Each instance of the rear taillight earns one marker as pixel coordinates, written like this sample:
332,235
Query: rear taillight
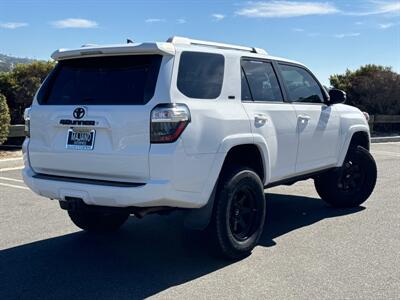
27,118
168,122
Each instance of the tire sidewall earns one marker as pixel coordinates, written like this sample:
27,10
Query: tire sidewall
326,185
369,166
232,184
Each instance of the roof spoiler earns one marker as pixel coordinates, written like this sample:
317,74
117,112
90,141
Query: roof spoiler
123,49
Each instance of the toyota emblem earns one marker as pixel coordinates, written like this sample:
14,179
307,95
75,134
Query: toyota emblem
79,113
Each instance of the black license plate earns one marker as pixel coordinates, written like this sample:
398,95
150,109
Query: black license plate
80,139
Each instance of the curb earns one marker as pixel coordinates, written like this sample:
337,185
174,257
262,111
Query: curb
385,139
10,147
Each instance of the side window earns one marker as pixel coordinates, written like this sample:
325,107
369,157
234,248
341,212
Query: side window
200,75
301,86
261,80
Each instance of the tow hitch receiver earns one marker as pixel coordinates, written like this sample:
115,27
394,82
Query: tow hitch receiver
72,204
77,204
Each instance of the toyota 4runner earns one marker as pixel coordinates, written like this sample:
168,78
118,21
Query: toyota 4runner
192,125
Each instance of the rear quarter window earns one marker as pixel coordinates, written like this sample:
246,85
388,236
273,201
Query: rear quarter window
200,75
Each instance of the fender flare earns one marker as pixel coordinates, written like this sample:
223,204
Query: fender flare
350,133
262,145
253,139
199,218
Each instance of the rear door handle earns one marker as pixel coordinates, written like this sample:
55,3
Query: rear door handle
304,117
261,117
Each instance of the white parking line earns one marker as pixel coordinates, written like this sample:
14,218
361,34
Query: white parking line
11,169
11,179
386,153
14,186
11,159
391,143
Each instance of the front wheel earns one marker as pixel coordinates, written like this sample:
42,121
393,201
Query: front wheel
93,221
352,184
239,213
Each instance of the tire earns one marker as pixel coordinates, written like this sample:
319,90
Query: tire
98,221
352,184
239,213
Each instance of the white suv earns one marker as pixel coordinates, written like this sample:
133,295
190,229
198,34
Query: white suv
192,125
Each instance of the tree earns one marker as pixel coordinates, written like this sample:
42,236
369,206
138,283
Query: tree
372,88
4,119
20,85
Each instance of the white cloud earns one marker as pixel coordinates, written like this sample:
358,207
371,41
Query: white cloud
389,7
386,25
181,21
218,17
298,29
359,23
286,9
13,25
154,20
345,35
75,23
375,7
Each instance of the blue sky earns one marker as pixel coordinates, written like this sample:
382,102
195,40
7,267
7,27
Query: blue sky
328,36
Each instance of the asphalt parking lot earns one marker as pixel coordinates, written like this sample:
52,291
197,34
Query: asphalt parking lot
308,250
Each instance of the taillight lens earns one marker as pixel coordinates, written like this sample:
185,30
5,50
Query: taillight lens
27,118
168,122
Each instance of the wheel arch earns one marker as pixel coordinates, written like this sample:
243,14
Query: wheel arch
256,145
229,150
248,155
357,136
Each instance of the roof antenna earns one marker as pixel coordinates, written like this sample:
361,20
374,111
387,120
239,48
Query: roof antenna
129,41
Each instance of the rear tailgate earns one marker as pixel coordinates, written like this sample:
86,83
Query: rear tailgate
93,118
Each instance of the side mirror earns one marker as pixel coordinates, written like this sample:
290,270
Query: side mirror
337,96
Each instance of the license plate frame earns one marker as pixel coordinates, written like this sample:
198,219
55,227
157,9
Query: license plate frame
80,139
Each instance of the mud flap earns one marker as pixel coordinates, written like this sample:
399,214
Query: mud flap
199,218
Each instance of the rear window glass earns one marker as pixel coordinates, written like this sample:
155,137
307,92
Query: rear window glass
114,80
201,75
261,80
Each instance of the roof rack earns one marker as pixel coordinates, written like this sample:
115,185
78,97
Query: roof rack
187,41
88,45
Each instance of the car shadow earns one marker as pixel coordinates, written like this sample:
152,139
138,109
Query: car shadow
286,213
142,259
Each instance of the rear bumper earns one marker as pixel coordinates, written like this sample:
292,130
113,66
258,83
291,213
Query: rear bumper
153,193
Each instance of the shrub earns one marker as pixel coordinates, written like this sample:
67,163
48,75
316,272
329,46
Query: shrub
372,88
4,119
20,85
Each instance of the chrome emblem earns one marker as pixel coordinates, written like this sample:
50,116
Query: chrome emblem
79,113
